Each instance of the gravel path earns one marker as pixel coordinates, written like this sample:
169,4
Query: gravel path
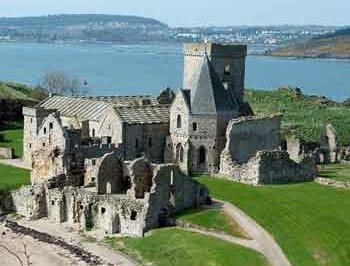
264,241
95,247
15,163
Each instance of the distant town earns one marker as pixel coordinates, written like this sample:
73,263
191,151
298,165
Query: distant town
124,29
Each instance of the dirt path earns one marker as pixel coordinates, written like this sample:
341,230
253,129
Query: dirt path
90,245
15,163
264,241
12,247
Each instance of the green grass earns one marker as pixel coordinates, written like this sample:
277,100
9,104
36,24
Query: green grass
309,114
174,247
340,172
13,137
310,222
12,178
212,219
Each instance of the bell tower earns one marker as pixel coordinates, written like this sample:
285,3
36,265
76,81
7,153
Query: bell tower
227,60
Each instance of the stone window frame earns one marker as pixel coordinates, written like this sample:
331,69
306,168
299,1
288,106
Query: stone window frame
51,126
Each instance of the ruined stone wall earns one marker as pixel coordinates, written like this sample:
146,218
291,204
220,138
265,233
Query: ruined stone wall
268,167
29,201
247,135
172,192
33,118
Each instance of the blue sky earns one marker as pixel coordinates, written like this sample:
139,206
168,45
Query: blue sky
196,12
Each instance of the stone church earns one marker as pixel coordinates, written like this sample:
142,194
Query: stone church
122,164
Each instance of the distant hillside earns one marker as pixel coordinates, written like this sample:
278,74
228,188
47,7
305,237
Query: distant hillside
307,115
16,91
89,27
334,45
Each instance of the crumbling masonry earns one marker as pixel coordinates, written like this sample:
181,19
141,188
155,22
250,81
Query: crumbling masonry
121,163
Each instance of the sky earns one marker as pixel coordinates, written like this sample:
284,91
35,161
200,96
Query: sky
195,12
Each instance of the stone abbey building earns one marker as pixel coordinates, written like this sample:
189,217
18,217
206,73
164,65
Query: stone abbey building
122,163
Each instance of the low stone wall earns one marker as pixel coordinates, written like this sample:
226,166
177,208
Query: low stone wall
268,167
332,183
6,153
6,204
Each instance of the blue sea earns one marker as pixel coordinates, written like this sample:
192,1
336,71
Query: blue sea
113,69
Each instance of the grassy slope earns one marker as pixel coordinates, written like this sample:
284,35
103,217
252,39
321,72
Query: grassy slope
213,220
311,222
13,178
13,137
308,113
174,247
340,172
10,90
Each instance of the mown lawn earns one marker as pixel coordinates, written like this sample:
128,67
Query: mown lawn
340,172
174,247
12,178
310,222
12,137
212,219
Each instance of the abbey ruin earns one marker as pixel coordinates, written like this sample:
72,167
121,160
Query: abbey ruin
123,163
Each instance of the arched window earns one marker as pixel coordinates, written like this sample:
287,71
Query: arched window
179,153
179,122
202,157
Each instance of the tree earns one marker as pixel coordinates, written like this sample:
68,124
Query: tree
61,83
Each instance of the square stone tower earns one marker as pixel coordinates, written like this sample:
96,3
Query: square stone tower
227,60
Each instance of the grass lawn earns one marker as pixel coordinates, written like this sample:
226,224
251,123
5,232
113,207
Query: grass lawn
309,114
340,172
213,220
174,247
13,137
13,178
310,222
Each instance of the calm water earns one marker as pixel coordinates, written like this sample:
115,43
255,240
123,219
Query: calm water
146,69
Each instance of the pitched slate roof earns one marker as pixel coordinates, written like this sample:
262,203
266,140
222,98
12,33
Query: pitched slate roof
125,100
144,114
208,95
73,106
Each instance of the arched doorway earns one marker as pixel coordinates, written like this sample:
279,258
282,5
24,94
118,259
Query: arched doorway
179,153
202,155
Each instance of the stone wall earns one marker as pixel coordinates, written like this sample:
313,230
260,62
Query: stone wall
268,167
332,183
6,153
247,135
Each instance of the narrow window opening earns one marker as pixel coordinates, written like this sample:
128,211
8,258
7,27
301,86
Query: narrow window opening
194,126
51,126
150,142
93,162
136,143
93,133
30,145
52,202
103,210
82,207
44,130
179,122
44,144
